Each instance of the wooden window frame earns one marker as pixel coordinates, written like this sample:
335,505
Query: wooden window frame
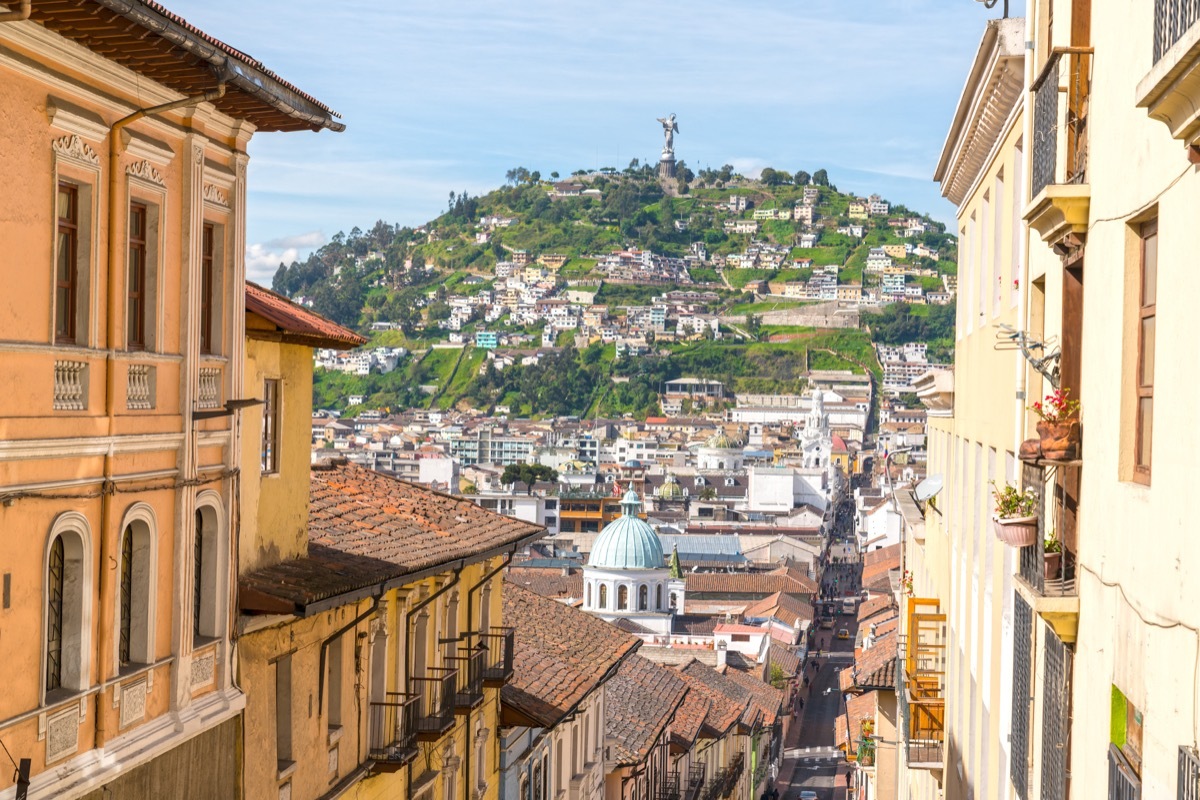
270,427
136,294
207,280
1144,391
65,321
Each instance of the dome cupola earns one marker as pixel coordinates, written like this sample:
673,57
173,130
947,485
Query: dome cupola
627,542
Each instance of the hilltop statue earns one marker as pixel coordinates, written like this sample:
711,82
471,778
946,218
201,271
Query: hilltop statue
666,164
670,128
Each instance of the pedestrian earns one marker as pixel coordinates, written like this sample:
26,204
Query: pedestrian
801,703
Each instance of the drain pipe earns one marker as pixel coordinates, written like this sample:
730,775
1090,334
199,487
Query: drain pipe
22,13
412,613
331,638
112,343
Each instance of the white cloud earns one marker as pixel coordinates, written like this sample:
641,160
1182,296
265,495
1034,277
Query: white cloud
299,241
262,261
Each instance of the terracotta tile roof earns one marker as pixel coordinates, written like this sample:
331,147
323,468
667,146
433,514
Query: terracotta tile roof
560,655
695,624
723,711
784,658
366,529
846,679
297,324
145,37
643,701
689,719
548,582
859,708
768,699
787,608
875,667
630,626
879,562
873,605
742,698
798,574
754,583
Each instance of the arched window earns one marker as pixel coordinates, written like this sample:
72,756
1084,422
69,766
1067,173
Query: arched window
622,598
658,597
135,598
603,596
587,596
68,584
643,598
206,581
674,600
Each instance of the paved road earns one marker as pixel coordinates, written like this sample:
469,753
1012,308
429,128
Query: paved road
817,768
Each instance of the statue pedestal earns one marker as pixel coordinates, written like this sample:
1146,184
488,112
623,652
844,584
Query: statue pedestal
666,168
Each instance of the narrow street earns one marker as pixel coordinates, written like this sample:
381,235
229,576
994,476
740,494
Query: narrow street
811,761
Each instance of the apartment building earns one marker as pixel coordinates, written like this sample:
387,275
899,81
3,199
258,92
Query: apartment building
955,684
124,229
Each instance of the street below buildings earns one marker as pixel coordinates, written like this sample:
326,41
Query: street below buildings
811,760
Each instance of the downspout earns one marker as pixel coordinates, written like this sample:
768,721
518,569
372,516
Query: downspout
408,649
22,13
470,754
112,341
1023,293
328,640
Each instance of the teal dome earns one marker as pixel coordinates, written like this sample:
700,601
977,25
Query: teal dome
627,542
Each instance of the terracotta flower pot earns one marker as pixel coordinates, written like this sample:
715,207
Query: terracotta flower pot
1053,565
1060,440
1016,531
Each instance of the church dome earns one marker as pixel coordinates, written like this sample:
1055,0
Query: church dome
720,441
627,542
670,489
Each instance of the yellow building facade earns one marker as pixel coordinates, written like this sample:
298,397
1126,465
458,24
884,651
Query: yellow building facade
120,335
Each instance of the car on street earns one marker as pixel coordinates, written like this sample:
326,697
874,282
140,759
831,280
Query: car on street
808,795
843,634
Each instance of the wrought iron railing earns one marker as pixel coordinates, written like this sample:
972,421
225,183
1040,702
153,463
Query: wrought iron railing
1123,782
725,779
1189,774
1069,71
393,728
1049,574
436,694
1172,19
922,712
695,782
668,789
498,664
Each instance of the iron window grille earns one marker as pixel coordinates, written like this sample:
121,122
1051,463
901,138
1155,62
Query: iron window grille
197,573
1123,782
54,626
123,646
1189,774
1022,697
1056,717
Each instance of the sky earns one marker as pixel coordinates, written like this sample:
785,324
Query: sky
442,96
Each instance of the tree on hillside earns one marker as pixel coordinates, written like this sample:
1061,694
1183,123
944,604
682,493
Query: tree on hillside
802,178
554,176
528,474
820,178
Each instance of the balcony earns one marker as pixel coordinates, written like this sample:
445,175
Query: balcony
468,662
725,780
393,731
695,782
498,664
922,684
1049,585
1061,195
669,789
435,698
1170,91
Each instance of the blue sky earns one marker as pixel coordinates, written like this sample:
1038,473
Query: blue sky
443,96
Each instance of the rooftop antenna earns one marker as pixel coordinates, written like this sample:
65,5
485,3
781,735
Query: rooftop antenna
1042,355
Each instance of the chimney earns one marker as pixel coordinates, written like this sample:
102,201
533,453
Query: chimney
722,653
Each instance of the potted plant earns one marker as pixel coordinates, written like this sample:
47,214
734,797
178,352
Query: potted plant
1058,428
1015,519
1053,556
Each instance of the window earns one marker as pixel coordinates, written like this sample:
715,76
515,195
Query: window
198,575
1148,280
658,597
55,580
587,596
622,598
67,267
283,711
333,717
208,265
270,427
125,644
136,307
603,596
206,583
674,600
68,583
643,598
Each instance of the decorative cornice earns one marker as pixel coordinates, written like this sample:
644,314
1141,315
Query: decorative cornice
146,171
76,149
215,194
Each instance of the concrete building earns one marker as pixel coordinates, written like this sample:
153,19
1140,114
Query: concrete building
124,236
